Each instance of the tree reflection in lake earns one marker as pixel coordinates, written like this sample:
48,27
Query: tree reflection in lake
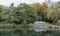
27,32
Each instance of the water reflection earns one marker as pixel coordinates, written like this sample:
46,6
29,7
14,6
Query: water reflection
27,32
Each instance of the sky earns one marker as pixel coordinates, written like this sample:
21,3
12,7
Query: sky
16,2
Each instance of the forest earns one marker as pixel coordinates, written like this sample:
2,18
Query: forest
29,13
19,20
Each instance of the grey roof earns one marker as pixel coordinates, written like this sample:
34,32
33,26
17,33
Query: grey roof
38,22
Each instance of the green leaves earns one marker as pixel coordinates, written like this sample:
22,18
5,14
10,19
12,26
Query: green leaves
29,13
24,15
54,12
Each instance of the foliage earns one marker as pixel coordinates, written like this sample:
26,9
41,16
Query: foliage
29,13
58,21
54,12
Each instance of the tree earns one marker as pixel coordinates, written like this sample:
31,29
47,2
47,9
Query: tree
58,22
3,13
25,14
54,12
37,9
10,12
43,11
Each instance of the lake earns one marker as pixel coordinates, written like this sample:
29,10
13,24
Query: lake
28,32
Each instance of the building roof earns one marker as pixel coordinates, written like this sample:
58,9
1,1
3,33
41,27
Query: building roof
39,22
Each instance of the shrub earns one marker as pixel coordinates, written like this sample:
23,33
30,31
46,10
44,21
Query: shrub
58,22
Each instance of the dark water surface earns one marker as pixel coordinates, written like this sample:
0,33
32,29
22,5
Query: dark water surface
27,32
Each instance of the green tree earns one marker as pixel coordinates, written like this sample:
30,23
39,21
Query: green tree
25,14
54,12
3,13
10,13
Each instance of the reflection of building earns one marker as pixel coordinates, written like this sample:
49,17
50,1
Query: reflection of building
40,26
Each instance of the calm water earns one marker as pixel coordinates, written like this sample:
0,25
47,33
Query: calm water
27,32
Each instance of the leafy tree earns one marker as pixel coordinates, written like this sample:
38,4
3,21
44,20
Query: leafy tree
3,13
10,13
43,11
54,12
37,9
25,14
58,22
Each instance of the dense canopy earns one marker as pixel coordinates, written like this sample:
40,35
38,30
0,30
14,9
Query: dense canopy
29,13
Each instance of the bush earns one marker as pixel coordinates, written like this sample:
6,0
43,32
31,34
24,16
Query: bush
58,21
